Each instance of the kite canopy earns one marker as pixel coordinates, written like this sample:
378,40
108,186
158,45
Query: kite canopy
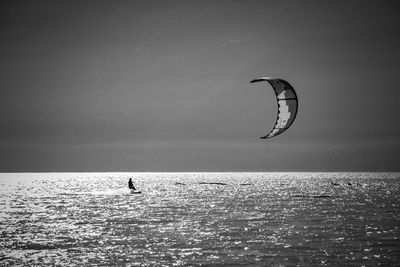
287,104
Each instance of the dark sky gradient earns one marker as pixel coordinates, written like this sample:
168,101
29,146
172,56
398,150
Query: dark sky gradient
164,85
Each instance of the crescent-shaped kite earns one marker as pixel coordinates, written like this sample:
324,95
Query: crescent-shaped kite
287,104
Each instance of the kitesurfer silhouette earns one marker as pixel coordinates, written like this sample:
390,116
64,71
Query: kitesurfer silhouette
130,184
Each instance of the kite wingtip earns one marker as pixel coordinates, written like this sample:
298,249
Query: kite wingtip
261,79
256,80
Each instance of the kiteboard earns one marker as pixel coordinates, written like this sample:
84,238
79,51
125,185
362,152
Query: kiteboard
133,191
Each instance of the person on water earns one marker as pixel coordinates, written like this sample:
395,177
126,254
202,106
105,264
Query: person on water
130,184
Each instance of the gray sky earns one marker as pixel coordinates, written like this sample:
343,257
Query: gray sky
164,85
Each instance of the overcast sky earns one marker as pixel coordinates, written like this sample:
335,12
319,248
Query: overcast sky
164,85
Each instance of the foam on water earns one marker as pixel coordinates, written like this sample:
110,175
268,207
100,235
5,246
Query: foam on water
306,219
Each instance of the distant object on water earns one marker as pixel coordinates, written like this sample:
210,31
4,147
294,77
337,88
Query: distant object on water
322,196
287,104
134,191
307,196
348,183
217,183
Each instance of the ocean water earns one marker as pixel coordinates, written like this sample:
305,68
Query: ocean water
200,219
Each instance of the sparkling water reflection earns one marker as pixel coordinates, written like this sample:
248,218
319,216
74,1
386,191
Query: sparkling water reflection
260,219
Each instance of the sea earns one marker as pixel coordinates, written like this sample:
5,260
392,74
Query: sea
200,219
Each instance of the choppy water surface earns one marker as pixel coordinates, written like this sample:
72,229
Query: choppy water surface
260,219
